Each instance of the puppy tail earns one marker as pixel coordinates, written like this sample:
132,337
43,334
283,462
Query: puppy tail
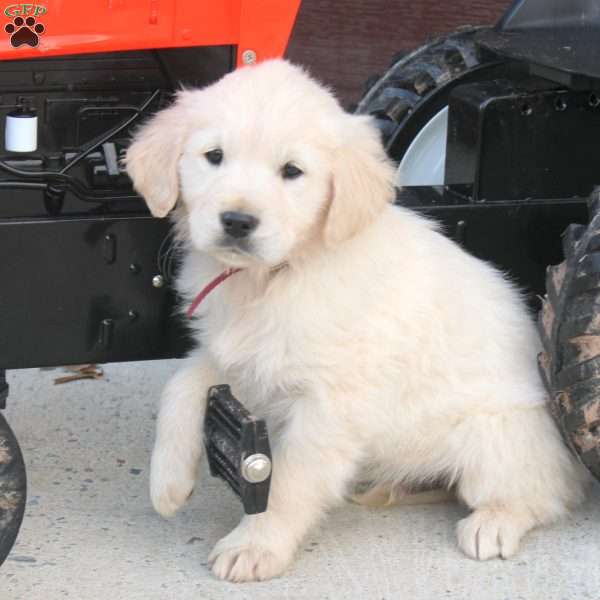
386,495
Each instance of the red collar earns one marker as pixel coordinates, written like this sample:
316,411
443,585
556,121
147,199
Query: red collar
209,288
217,281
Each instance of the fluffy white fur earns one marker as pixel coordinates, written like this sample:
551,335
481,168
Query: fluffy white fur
381,346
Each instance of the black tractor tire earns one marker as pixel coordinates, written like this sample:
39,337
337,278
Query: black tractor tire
13,489
417,86
569,325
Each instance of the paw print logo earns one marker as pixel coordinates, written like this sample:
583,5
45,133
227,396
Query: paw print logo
24,31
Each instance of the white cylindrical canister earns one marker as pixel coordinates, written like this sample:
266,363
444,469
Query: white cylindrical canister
20,133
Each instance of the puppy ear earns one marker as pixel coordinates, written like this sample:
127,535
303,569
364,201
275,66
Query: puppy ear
152,157
363,181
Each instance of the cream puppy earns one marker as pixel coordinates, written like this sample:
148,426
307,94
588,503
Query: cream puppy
366,339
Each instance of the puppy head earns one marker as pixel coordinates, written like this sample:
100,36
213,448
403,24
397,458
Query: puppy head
264,162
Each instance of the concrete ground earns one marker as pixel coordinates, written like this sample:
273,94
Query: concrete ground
90,531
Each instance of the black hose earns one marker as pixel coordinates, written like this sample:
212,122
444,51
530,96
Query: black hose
82,192
35,174
24,185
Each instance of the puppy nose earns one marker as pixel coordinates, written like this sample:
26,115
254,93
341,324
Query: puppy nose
238,224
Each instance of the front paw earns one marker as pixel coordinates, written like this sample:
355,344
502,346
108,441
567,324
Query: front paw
172,478
249,556
489,534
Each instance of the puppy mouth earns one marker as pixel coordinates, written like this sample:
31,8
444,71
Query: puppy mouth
235,254
241,245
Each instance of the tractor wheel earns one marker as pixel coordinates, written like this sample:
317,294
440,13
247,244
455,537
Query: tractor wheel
410,102
569,324
13,487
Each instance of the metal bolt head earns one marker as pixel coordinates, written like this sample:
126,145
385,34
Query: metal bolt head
256,468
560,104
248,57
158,281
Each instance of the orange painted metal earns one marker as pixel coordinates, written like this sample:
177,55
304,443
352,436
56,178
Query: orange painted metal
86,26
266,26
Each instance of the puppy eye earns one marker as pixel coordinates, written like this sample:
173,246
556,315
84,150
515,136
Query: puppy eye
291,171
214,157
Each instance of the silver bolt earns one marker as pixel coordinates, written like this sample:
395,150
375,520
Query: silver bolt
256,468
158,281
248,57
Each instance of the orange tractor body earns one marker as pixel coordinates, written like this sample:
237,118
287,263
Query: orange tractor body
260,29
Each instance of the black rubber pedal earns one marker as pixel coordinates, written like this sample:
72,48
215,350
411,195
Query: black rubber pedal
237,446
